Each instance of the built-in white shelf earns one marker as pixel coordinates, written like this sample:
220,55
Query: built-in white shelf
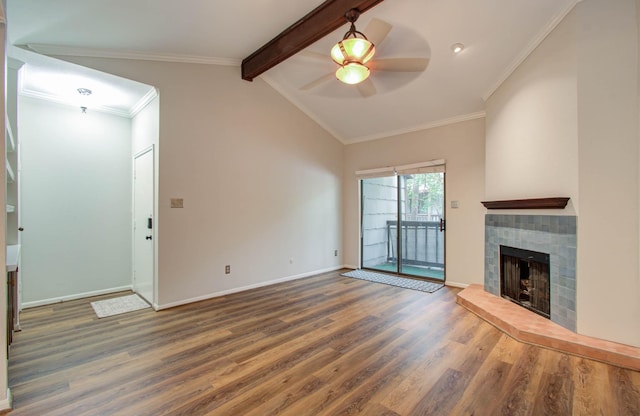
13,257
11,176
10,141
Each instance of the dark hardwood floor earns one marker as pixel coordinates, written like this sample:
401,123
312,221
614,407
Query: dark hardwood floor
325,345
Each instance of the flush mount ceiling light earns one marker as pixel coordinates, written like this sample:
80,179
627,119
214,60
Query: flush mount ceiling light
457,48
352,52
84,92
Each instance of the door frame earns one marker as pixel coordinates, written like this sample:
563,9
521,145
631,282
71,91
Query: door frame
154,234
397,171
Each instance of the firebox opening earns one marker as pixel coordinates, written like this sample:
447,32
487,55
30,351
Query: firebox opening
524,279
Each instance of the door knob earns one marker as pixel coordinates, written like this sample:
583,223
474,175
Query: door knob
20,229
148,237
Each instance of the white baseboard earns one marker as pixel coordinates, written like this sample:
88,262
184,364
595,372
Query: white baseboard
26,305
456,284
7,403
244,288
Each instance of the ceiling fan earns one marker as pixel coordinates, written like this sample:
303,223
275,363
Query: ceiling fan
376,32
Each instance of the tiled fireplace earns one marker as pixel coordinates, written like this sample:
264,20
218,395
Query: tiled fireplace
549,234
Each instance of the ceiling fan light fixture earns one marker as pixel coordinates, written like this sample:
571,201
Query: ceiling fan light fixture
352,73
352,52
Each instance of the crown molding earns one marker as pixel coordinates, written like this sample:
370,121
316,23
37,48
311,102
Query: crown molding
531,46
14,63
61,50
137,107
142,103
289,97
430,125
57,100
383,135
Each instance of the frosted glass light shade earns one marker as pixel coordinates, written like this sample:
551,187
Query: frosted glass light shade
352,73
353,50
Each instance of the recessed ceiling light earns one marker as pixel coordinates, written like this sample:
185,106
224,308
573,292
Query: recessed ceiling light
457,48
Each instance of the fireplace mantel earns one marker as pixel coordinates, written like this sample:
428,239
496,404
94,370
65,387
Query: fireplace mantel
530,203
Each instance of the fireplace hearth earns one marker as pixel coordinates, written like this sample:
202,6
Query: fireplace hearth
524,279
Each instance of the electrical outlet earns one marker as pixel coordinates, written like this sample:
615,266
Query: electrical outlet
227,269
335,253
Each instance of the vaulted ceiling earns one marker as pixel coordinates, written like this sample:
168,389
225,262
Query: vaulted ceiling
497,36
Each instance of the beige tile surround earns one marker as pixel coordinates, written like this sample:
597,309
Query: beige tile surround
526,326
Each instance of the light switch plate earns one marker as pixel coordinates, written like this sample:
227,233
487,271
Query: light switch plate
455,204
177,203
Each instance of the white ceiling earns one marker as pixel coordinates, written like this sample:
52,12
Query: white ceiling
497,34
54,80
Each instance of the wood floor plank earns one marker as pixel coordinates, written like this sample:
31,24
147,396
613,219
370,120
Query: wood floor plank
396,364
490,378
507,350
626,394
406,395
416,381
555,395
520,388
275,386
444,395
589,398
323,345
346,373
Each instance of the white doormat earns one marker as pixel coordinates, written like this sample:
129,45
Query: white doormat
117,306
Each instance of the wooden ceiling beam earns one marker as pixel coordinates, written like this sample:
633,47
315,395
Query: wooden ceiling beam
323,20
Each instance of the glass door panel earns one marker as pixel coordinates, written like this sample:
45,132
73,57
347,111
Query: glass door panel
404,214
379,220
422,225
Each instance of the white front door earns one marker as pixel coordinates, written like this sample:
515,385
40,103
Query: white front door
143,225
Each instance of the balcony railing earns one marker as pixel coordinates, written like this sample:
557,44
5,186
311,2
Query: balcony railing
422,243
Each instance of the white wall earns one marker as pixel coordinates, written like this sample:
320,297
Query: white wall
608,275
261,182
145,127
576,97
76,201
532,132
462,146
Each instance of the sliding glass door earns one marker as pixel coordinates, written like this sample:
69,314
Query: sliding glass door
402,224
379,216
422,225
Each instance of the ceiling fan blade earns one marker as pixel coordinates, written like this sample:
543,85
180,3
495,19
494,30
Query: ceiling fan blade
400,64
315,55
318,82
366,88
376,31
